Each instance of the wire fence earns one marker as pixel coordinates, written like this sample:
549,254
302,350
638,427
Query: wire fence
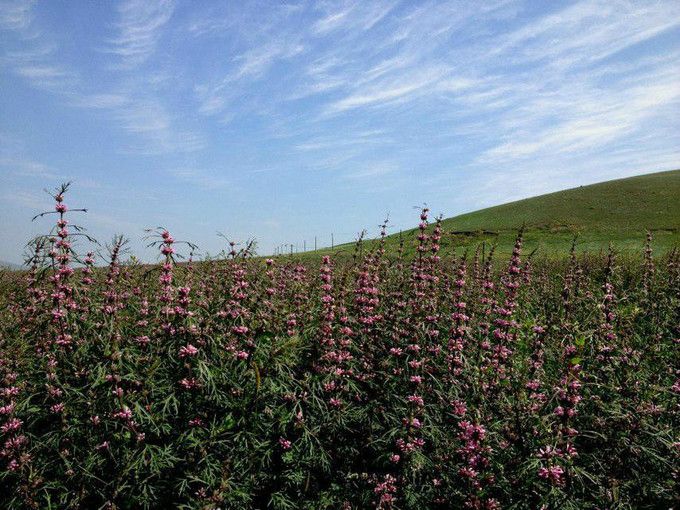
331,240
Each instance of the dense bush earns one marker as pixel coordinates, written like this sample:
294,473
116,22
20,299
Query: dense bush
384,382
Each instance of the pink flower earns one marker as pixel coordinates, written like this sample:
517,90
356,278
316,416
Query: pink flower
417,400
15,443
142,340
12,425
676,386
189,383
12,391
570,451
188,351
196,422
553,474
467,472
285,443
547,452
7,409
533,385
57,408
459,408
123,414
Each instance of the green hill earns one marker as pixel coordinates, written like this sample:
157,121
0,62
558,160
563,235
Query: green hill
618,211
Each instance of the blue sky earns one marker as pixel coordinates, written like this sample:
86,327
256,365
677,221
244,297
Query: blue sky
288,120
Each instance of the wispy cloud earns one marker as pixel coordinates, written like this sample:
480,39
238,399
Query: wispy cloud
568,119
255,62
157,128
389,91
153,129
588,31
540,88
248,66
27,168
14,160
201,178
41,73
16,14
28,199
201,27
140,29
100,101
35,60
370,137
363,15
332,20
373,170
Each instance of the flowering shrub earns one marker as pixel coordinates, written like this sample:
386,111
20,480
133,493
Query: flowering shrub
377,383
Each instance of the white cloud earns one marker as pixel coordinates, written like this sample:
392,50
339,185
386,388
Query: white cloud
332,21
25,199
16,14
359,15
373,170
41,73
360,138
257,61
589,31
36,62
203,179
100,101
140,29
157,128
25,167
388,91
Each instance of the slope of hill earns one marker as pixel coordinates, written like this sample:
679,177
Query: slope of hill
618,211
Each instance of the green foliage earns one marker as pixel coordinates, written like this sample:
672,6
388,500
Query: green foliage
247,417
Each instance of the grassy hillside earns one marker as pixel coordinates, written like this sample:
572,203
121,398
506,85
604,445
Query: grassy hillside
618,211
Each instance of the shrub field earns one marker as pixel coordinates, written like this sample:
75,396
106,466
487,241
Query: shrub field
385,381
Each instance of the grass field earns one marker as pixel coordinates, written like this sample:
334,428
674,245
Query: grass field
618,211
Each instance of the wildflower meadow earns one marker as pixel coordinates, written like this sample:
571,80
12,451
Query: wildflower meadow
383,380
